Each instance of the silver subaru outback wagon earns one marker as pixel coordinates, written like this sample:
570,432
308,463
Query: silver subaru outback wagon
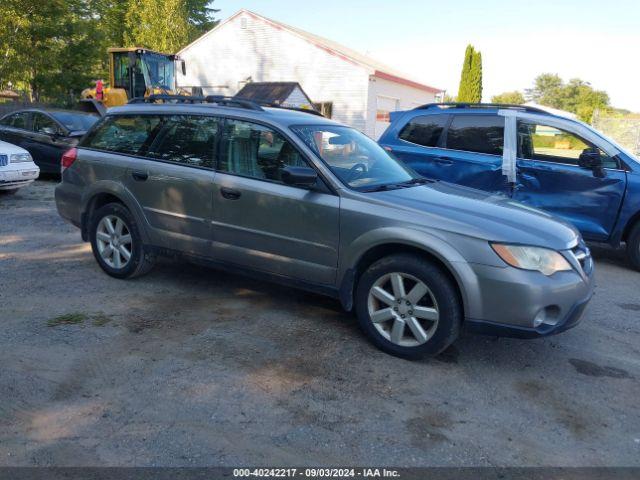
303,200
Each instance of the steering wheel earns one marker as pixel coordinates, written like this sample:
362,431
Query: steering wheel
356,171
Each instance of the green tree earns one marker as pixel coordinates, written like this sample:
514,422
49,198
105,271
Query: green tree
513,98
162,26
576,96
470,89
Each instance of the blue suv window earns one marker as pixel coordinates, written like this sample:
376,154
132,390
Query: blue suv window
424,130
476,133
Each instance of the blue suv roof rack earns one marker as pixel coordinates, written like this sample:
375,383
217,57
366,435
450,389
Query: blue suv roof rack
511,106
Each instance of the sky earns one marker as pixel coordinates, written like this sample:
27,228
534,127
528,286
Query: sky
597,41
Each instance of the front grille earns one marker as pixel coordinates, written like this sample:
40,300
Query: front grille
583,255
20,158
4,160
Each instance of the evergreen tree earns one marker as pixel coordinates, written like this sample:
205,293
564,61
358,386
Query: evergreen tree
470,89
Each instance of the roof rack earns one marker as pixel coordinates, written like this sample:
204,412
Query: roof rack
220,100
445,105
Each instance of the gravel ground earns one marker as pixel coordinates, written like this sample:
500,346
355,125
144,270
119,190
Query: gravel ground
192,367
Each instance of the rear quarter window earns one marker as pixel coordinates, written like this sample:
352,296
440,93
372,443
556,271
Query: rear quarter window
476,133
424,130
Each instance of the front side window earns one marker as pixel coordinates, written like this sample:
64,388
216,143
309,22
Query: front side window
121,72
542,142
129,134
188,139
256,151
424,130
477,133
354,158
43,124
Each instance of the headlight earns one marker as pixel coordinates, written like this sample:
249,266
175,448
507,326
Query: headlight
20,157
539,259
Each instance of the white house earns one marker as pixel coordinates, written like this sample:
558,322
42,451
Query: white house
345,85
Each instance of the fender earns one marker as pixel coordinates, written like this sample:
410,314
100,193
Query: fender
419,239
126,197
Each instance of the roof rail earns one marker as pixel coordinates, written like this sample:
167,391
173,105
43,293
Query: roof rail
232,102
511,106
166,98
220,100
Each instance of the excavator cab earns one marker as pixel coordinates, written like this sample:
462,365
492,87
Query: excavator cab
136,73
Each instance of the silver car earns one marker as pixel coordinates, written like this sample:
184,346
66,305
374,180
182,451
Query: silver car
302,200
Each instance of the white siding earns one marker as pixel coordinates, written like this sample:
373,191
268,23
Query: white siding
385,92
265,52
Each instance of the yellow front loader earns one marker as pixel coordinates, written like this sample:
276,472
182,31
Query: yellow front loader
133,73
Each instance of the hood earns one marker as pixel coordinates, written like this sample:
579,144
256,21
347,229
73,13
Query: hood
9,148
479,214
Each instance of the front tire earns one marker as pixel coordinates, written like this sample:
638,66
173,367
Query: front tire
408,306
117,244
633,247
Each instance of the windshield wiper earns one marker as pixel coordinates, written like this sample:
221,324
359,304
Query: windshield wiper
416,181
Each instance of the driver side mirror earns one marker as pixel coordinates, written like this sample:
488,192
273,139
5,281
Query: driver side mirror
299,176
591,159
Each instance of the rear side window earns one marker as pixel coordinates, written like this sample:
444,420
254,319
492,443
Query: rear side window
424,130
124,134
17,120
187,139
477,133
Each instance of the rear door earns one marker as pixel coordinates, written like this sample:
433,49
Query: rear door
170,173
263,224
474,145
550,178
15,128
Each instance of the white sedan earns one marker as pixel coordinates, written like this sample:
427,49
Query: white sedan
16,168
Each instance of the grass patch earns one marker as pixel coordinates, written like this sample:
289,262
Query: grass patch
100,319
67,319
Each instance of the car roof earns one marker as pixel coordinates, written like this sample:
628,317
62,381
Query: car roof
49,110
282,117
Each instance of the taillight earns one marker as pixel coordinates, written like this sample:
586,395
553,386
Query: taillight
68,158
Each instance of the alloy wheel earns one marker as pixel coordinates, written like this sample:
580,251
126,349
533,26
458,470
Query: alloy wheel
403,309
114,241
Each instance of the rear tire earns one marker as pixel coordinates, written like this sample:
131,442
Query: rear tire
117,244
633,247
9,191
408,306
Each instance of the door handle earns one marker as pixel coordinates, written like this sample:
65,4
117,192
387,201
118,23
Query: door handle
230,193
444,160
139,175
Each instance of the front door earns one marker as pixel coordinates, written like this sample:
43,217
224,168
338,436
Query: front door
550,178
261,223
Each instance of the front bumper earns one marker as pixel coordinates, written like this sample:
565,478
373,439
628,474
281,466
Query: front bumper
513,299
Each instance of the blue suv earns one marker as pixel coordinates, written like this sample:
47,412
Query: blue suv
547,161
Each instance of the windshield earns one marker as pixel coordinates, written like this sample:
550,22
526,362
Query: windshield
159,70
354,158
75,121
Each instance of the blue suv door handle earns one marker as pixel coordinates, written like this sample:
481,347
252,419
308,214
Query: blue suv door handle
444,160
